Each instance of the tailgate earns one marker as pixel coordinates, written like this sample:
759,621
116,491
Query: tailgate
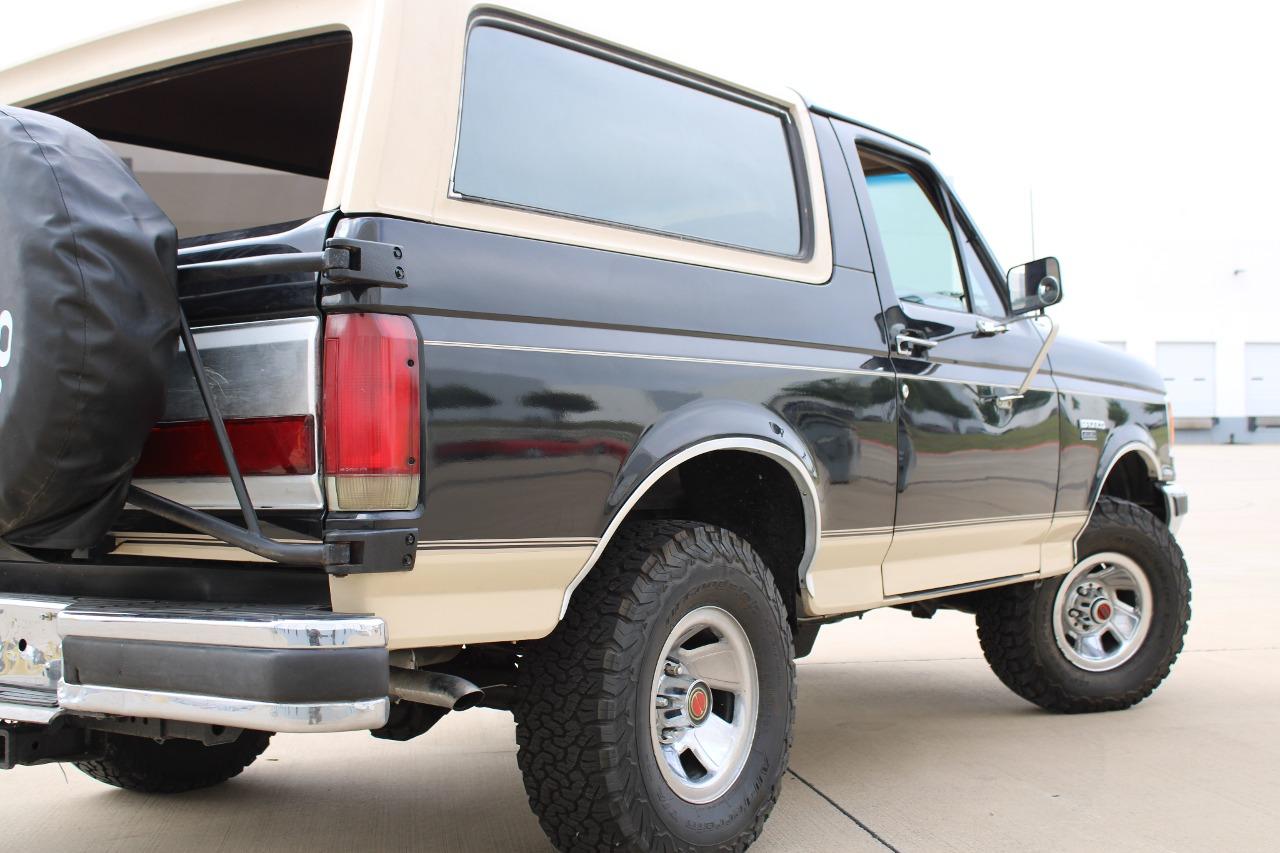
259,337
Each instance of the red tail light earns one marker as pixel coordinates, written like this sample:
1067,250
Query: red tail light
284,445
372,441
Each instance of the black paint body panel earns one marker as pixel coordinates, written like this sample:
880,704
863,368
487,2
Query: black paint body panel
557,377
548,365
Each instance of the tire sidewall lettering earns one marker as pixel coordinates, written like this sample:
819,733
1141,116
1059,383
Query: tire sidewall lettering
7,333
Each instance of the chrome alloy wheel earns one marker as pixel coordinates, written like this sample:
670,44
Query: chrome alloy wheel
1102,612
705,703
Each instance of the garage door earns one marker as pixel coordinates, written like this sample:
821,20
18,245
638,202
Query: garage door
1262,380
1188,371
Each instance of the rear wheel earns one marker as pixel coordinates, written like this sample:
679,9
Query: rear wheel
1103,636
658,715
172,766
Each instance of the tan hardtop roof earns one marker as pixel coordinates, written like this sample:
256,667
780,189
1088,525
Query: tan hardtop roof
397,131
164,40
97,60
215,27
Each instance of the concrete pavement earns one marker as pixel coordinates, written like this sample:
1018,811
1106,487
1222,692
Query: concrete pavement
905,741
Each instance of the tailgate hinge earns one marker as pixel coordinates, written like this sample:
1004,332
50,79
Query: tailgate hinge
387,550
363,263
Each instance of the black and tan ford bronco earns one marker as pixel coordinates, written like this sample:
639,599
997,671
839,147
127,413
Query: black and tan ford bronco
366,361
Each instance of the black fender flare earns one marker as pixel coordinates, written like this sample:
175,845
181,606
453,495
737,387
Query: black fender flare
703,427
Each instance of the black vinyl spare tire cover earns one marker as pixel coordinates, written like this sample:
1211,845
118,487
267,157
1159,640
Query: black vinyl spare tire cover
88,329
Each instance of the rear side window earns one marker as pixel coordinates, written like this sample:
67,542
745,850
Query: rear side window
551,128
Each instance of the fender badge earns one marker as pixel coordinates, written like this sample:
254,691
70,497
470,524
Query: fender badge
1089,428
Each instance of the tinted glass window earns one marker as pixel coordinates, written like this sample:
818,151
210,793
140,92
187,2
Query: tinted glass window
917,242
547,127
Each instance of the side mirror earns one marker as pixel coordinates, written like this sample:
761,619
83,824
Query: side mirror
1035,286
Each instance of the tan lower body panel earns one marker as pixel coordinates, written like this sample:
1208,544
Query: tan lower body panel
845,572
1058,553
469,594
936,557
864,569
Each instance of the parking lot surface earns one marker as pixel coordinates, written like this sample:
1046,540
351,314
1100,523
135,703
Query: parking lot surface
905,741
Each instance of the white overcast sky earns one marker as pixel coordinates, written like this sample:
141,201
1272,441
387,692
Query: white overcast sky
1147,132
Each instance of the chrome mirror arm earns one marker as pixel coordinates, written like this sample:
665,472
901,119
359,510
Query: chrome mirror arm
1035,365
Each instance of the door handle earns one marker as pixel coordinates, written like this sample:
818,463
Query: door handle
910,345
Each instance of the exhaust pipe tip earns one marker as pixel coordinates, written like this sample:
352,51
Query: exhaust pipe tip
469,700
438,689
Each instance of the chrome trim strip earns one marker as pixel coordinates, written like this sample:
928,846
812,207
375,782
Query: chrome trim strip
970,522
480,544
275,491
230,626
772,365
656,357
804,481
187,538
194,539
856,531
217,710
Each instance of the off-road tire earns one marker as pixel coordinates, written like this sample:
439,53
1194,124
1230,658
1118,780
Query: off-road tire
584,724
173,766
1015,623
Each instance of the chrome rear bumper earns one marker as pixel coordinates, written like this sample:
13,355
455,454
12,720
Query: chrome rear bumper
272,669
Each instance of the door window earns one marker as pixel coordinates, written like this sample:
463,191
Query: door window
916,238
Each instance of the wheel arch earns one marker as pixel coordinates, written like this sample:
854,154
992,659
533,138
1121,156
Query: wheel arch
697,431
1129,456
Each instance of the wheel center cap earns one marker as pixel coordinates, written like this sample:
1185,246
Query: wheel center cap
698,703
1102,610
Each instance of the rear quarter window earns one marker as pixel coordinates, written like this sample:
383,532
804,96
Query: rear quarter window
554,129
